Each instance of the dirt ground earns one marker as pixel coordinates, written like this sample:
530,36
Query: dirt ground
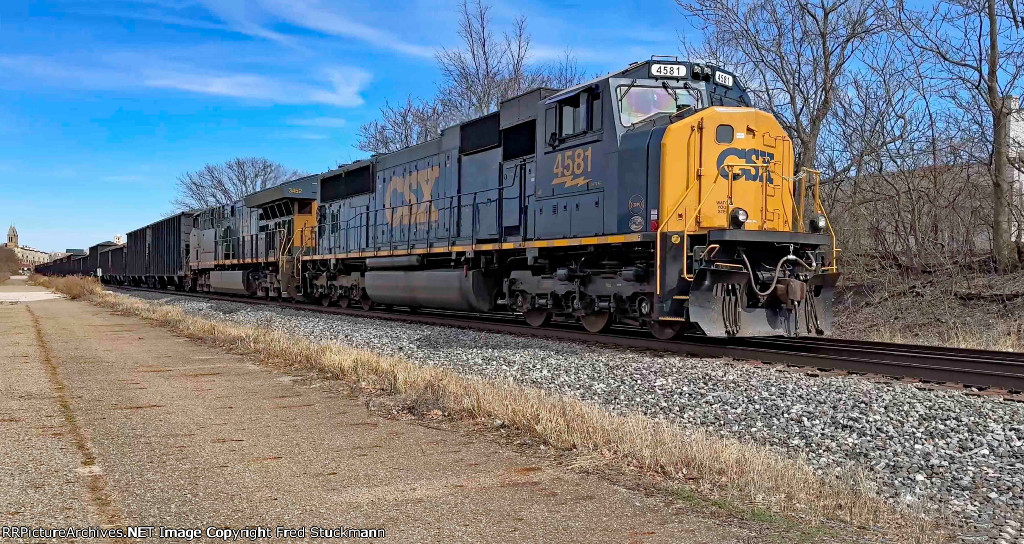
106,420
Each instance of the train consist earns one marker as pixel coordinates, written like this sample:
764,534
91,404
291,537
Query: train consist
654,196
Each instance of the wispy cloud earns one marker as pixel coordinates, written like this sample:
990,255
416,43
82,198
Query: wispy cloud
153,16
127,178
47,70
335,85
311,136
241,16
322,122
253,16
342,87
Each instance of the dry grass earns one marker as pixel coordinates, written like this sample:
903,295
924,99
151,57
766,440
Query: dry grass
980,311
723,470
4,276
73,287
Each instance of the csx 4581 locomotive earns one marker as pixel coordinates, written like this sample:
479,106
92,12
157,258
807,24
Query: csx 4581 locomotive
655,196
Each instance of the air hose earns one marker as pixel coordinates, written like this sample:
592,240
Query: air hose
778,270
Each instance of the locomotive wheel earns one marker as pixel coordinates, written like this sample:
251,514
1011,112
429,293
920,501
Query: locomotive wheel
325,301
597,322
537,317
366,302
344,302
665,330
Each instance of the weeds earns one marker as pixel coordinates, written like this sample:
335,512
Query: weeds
73,287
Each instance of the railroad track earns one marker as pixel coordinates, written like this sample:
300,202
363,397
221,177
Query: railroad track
997,370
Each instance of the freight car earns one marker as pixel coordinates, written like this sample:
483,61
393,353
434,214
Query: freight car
157,254
112,265
654,196
92,263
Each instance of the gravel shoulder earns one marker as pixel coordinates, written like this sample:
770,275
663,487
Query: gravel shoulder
185,435
941,450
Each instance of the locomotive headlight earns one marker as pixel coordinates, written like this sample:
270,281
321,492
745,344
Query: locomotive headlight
818,223
738,217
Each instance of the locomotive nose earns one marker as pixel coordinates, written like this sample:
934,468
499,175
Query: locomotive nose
734,259
727,163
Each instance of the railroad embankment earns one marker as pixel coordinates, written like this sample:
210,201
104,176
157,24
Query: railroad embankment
747,482
971,310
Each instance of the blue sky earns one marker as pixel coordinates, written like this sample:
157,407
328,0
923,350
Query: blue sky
104,104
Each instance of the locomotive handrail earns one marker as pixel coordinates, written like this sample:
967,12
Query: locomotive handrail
413,211
661,228
764,186
820,208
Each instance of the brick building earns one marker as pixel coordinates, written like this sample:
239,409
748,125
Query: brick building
29,257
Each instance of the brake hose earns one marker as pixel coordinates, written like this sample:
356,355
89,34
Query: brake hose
778,269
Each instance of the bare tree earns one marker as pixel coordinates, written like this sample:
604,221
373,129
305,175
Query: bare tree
486,70
402,126
975,50
475,78
9,261
218,184
794,54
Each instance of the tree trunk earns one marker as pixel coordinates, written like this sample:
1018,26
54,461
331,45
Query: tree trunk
1005,256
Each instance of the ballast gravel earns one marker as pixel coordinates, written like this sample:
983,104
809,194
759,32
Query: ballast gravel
935,448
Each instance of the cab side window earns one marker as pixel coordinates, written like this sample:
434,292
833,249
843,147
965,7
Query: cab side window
574,115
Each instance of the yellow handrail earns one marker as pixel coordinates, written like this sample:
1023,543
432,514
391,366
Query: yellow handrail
686,230
661,228
828,222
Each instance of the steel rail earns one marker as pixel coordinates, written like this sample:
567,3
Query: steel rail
970,367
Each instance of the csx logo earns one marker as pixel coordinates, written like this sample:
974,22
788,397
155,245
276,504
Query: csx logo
417,208
735,155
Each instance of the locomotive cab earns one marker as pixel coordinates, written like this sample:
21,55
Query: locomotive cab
675,153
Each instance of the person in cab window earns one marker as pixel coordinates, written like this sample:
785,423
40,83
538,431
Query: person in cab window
639,103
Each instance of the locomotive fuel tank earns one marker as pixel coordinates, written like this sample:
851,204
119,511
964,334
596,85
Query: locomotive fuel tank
463,290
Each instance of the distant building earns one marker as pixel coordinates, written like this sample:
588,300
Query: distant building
30,257
1015,131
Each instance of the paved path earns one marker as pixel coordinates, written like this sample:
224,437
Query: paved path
107,420
16,289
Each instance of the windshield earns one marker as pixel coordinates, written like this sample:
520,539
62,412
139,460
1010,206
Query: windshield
639,103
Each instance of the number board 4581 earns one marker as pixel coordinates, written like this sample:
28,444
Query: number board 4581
573,167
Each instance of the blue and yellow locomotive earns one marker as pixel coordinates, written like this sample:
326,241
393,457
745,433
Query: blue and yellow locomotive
654,196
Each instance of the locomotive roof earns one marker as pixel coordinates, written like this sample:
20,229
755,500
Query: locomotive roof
307,187
346,168
637,70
